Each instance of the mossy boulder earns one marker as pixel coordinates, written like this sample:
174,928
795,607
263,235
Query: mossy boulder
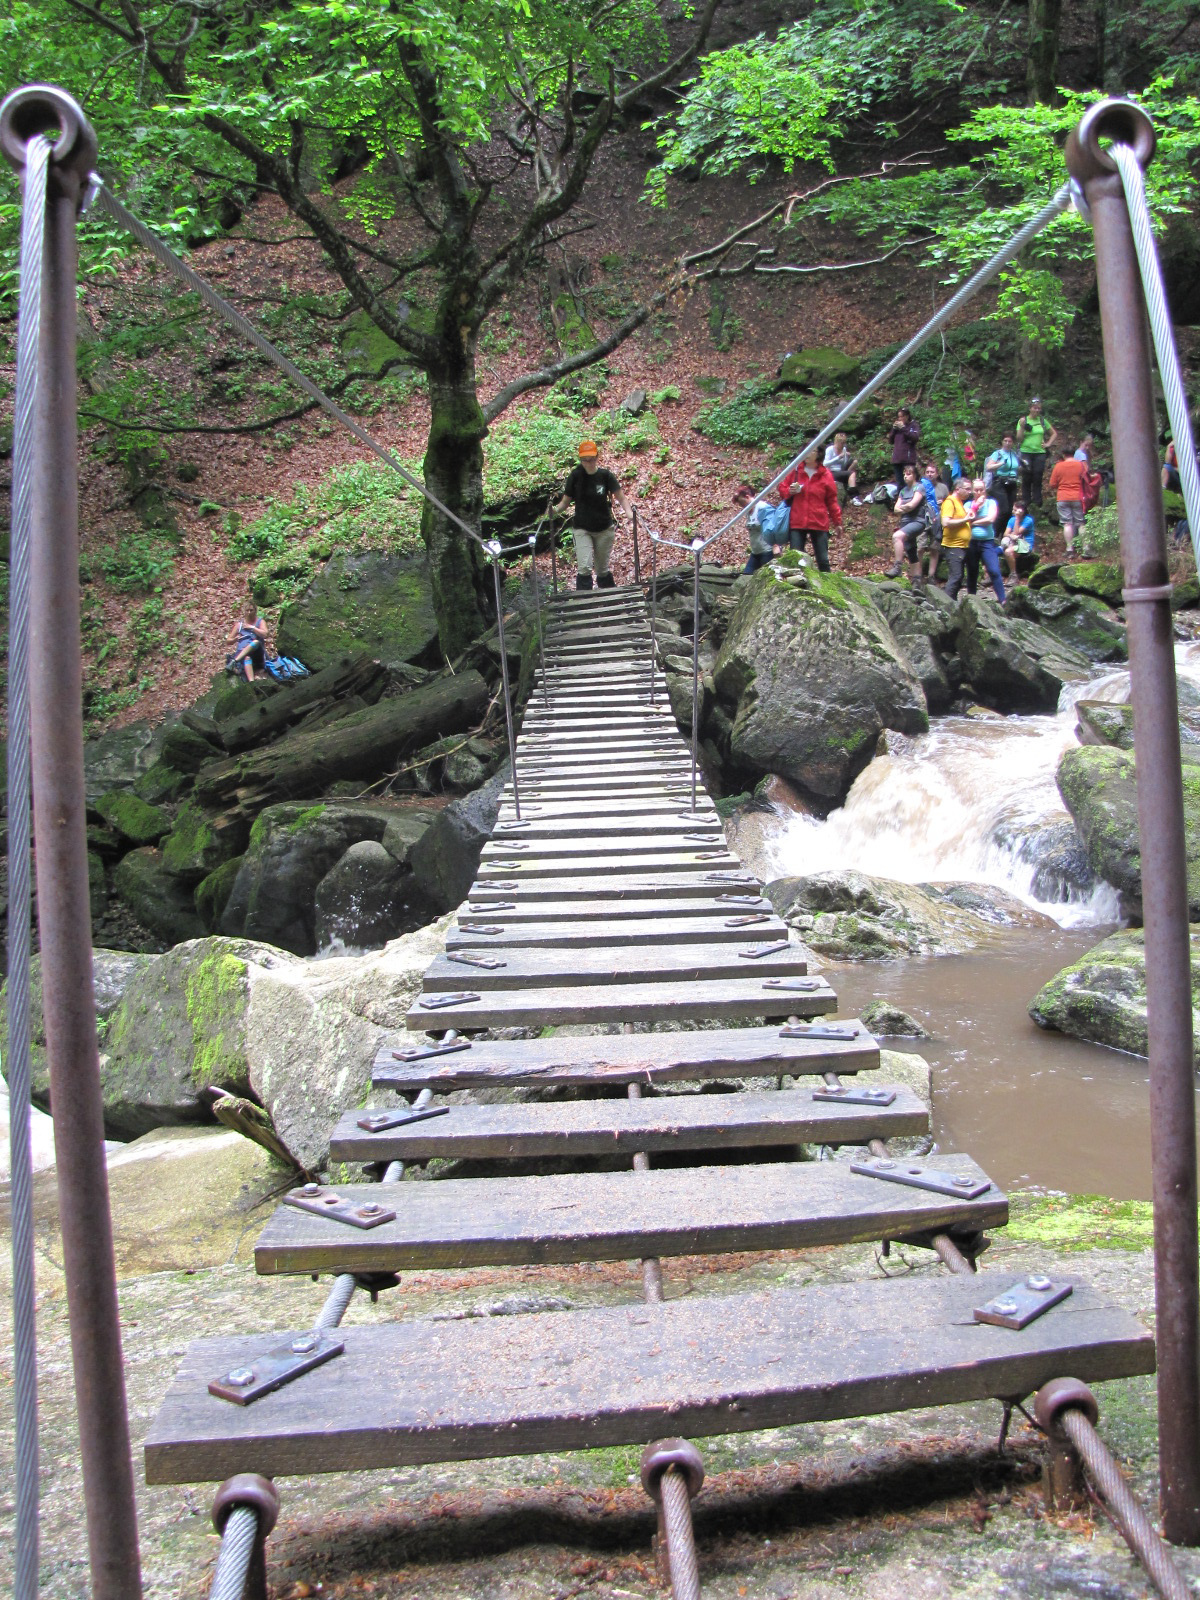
364,899
161,782
1103,722
115,760
924,627
212,893
1098,784
1100,578
200,842
1185,595
292,847
179,1030
158,900
132,818
112,972
372,601
811,674
850,916
822,367
97,886
1079,621
1102,997
1012,666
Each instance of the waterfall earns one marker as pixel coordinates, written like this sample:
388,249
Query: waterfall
973,800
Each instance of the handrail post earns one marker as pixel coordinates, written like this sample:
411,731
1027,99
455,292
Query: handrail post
64,916
494,550
1160,803
697,549
637,554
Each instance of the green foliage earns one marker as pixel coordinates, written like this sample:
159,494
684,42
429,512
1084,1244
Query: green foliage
757,416
1101,537
142,560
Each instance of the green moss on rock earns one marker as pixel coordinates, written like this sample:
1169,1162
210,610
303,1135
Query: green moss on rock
374,601
215,999
132,818
198,846
212,892
1102,997
1100,578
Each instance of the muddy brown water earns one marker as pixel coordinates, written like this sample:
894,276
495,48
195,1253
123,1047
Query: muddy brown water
1037,1110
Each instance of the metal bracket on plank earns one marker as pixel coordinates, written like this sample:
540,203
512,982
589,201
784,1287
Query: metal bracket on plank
329,1203
745,922
439,1002
741,900
498,883
479,927
275,1367
467,958
845,1094
382,1121
491,906
800,986
1023,1303
515,844
512,826
715,855
831,1034
428,1052
756,952
729,877
710,837
502,866
916,1175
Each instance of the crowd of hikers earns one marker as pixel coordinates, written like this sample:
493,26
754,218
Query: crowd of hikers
970,512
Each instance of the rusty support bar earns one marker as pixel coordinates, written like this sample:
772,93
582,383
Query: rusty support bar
652,1279
637,554
1160,803
947,1251
64,916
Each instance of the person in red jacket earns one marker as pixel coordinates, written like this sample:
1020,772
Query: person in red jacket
811,491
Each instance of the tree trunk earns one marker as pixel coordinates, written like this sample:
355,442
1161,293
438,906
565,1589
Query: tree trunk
1041,79
454,473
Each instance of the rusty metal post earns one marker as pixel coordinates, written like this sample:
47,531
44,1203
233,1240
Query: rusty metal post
64,917
1160,803
637,554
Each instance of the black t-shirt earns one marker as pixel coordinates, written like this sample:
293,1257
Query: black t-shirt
591,492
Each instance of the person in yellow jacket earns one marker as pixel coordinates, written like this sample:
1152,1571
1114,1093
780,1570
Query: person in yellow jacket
956,534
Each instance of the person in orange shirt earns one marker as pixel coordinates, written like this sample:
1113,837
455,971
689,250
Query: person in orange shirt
1066,485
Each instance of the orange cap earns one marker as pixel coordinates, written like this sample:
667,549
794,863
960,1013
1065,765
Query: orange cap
589,448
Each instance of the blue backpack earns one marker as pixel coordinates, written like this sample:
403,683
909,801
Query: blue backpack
768,527
284,668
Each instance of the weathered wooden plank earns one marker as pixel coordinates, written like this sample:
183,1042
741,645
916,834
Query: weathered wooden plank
621,1058
588,742
616,1002
649,808
538,784
406,1393
620,1126
644,855
607,934
663,825
561,969
637,886
616,1216
582,911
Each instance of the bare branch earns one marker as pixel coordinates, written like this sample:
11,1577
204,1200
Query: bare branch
685,58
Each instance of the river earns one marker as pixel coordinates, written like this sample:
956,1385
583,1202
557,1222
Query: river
958,804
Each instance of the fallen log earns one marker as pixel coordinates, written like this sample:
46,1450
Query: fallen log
363,745
351,674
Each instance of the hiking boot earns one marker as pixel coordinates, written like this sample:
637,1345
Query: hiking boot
894,571
606,581
583,580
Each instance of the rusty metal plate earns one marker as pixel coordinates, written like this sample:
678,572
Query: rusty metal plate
497,883
427,1052
730,877
329,1203
794,986
479,927
383,1121
740,899
439,1002
830,1032
468,958
758,951
491,906
916,1175
275,1367
746,922
851,1095
1024,1303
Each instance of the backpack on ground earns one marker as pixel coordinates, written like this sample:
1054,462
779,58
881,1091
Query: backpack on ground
284,668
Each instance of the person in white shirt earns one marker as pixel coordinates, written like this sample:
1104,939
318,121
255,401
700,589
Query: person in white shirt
842,465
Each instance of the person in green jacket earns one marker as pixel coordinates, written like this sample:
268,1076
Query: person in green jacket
1036,436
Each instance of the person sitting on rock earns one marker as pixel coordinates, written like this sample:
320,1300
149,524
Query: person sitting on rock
812,494
1018,538
842,465
910,508
249,635
594,491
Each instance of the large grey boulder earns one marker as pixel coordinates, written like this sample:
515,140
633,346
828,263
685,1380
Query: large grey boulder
924,627
1102,722
446,858
1098,784
363,900
1102,997
851,916
162,903
115,760
1079,621
292,847
811,674
371,600
1010,666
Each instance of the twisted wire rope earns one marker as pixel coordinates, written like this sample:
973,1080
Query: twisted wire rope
33,219
680,1536
237,1551
1134,184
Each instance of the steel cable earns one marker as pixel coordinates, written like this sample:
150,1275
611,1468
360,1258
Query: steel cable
681,1539
238,1543
1133,182
1136,1528
24,1293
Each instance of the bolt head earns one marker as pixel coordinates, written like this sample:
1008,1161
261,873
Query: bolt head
306,1342
372,1208
1038,1282
885,1165
961,1181
240,1377
311,1189
1006,1308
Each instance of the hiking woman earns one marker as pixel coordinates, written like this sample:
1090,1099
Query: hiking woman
594,491
811,491
1036,436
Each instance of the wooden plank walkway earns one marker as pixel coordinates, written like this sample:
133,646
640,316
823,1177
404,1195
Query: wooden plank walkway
606,901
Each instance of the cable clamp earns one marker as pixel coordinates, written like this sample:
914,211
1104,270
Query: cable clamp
1148,596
